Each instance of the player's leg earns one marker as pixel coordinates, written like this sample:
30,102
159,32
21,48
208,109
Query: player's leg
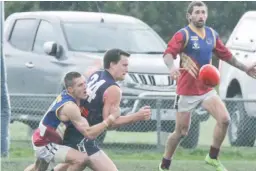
184,106
30,167
215,106
54,153
61,167
86,146
173,140
75,159
99,161
41,165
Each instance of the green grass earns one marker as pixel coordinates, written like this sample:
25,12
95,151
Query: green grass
140,158
19,131
151,165
24,151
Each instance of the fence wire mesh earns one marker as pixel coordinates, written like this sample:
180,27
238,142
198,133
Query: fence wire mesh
27,110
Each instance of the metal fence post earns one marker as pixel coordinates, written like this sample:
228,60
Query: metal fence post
158,123
5,101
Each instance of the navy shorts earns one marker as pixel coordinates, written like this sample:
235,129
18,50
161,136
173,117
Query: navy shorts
74,139
84,145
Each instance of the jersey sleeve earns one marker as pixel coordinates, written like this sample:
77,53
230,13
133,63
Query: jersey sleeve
176,44
220,50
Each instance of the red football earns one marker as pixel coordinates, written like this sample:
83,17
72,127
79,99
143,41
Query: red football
209,75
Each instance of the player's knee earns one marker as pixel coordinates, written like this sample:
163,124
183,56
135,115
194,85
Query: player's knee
81,160
225,120
182,132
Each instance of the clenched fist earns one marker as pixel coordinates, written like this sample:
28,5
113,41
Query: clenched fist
144,113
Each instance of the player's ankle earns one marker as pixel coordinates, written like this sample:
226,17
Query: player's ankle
166,163
214,152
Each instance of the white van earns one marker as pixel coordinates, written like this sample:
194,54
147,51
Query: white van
237,84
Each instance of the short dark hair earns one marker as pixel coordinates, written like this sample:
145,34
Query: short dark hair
193,4
113,55
68,79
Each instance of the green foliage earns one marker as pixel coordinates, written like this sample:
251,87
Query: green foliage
166,17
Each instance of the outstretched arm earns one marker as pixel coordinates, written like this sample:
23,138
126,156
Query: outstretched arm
234,62
73,114
223,53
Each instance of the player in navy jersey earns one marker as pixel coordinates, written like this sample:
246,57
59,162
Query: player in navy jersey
103,92
196,44
47,140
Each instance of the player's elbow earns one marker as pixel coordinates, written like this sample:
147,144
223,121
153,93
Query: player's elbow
168,57
88,134
168,60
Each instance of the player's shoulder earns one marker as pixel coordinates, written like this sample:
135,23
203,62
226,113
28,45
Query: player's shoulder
182,33
68,109
112,93
182,30
69,106
209,28
113,90
212,30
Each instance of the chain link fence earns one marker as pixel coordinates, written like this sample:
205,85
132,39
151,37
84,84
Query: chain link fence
27,110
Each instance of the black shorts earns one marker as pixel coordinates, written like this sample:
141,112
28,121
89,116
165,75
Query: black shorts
76,140
85,145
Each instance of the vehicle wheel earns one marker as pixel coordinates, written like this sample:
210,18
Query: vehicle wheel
241,131
191,140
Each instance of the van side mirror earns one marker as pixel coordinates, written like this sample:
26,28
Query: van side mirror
53,49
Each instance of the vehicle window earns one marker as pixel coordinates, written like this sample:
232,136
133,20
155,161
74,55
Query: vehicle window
245,34
22,34
44,34
103,36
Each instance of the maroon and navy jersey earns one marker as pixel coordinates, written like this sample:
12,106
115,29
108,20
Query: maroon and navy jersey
51,128
197,48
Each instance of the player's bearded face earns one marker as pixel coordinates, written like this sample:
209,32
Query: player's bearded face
199,16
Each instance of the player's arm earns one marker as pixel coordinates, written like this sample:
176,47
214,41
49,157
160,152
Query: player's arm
175,46
72,112
112,97
223,53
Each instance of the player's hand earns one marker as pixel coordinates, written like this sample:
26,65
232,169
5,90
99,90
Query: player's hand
175,73
189,65
251,71
144,113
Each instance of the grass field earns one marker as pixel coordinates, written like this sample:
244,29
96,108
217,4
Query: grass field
139,158
148,165
19,131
